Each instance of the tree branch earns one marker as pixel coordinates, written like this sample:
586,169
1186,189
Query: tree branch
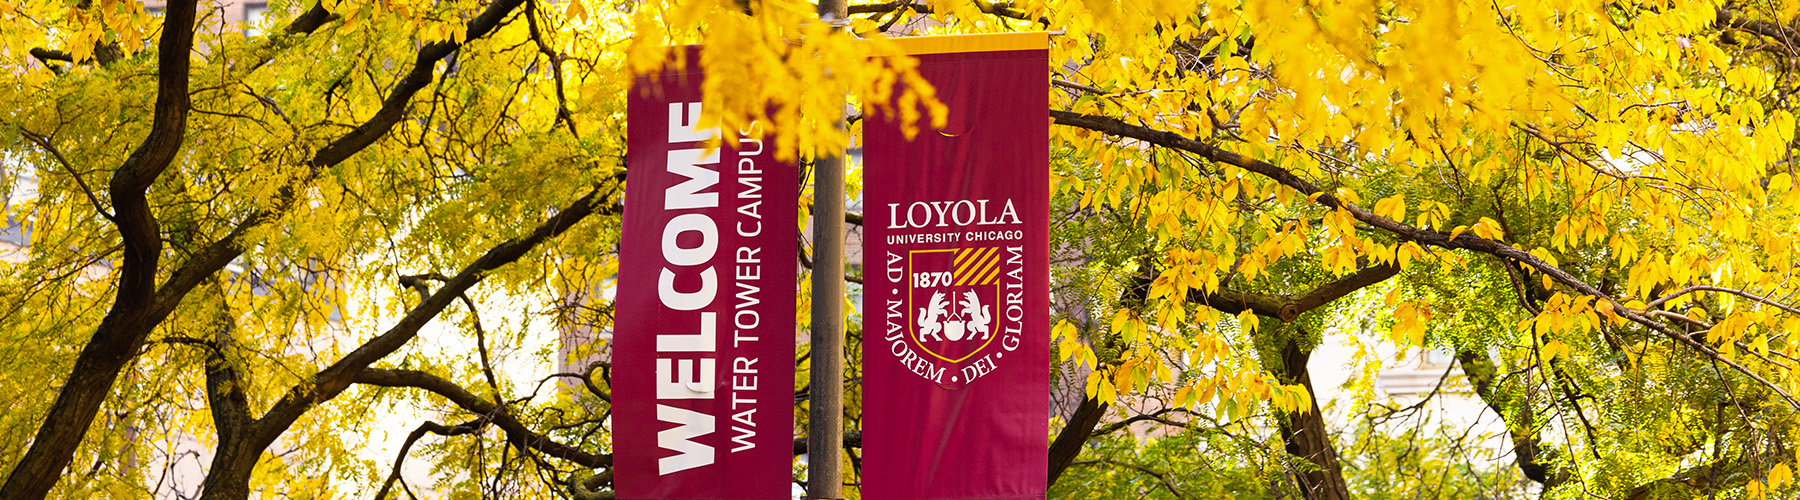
516,431
1704,288
432,427
1002,9
1069,441
1080,427
44,143
587,379
309,21
1726,19
1521,423
128,322
47,55
231,472
1699,476
140,304
421,75
1157,416
589,488
1287,308
224,387
563,115
417,283
331,381
1160,477
1471,242
1304,432
216,255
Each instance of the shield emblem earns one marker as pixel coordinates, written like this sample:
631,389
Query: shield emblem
951,298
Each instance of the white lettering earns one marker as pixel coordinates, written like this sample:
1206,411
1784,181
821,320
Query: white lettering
686,195
687,301
744,436
689,454
699,254
960,213
678,379
686,127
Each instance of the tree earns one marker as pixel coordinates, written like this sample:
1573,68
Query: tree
277,176
1565,155
1590,205
1516,148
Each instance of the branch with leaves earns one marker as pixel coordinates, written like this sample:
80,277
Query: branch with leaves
1471,242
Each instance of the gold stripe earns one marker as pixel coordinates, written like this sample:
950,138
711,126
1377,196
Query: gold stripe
960,262
967,265
992,269
988,263
962,256
995,42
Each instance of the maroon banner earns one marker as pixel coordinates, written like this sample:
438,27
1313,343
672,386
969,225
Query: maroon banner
956,301
703,351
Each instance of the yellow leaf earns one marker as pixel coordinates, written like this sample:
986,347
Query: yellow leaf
1125,376
1489,229
1248,321
1782,181
1459,230
1392,207
1409,324
1409,251
576,10
1555,349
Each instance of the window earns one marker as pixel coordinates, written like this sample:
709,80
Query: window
1438,358
253,18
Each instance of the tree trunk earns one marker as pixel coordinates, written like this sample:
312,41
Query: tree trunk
129,321
242,439
1521,423
229,476
1305,433
1074,434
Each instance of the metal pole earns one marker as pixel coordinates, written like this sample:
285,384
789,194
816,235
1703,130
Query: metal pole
825,429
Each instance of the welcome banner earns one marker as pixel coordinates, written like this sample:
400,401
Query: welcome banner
956,290
703,347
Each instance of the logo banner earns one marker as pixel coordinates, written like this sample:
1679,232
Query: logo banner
703,351
956,291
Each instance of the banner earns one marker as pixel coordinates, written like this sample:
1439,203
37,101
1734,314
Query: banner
956,291
703,346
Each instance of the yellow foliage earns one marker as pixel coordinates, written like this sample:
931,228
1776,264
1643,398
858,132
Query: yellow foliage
1641,148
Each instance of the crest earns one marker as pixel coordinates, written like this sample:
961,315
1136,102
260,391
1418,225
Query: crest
952,295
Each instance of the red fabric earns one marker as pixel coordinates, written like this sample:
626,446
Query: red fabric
929,431
682,225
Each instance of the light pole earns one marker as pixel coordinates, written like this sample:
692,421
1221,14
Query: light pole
825,429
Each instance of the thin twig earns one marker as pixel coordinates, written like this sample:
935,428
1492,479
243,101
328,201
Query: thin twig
44,142
433,427
1708,288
